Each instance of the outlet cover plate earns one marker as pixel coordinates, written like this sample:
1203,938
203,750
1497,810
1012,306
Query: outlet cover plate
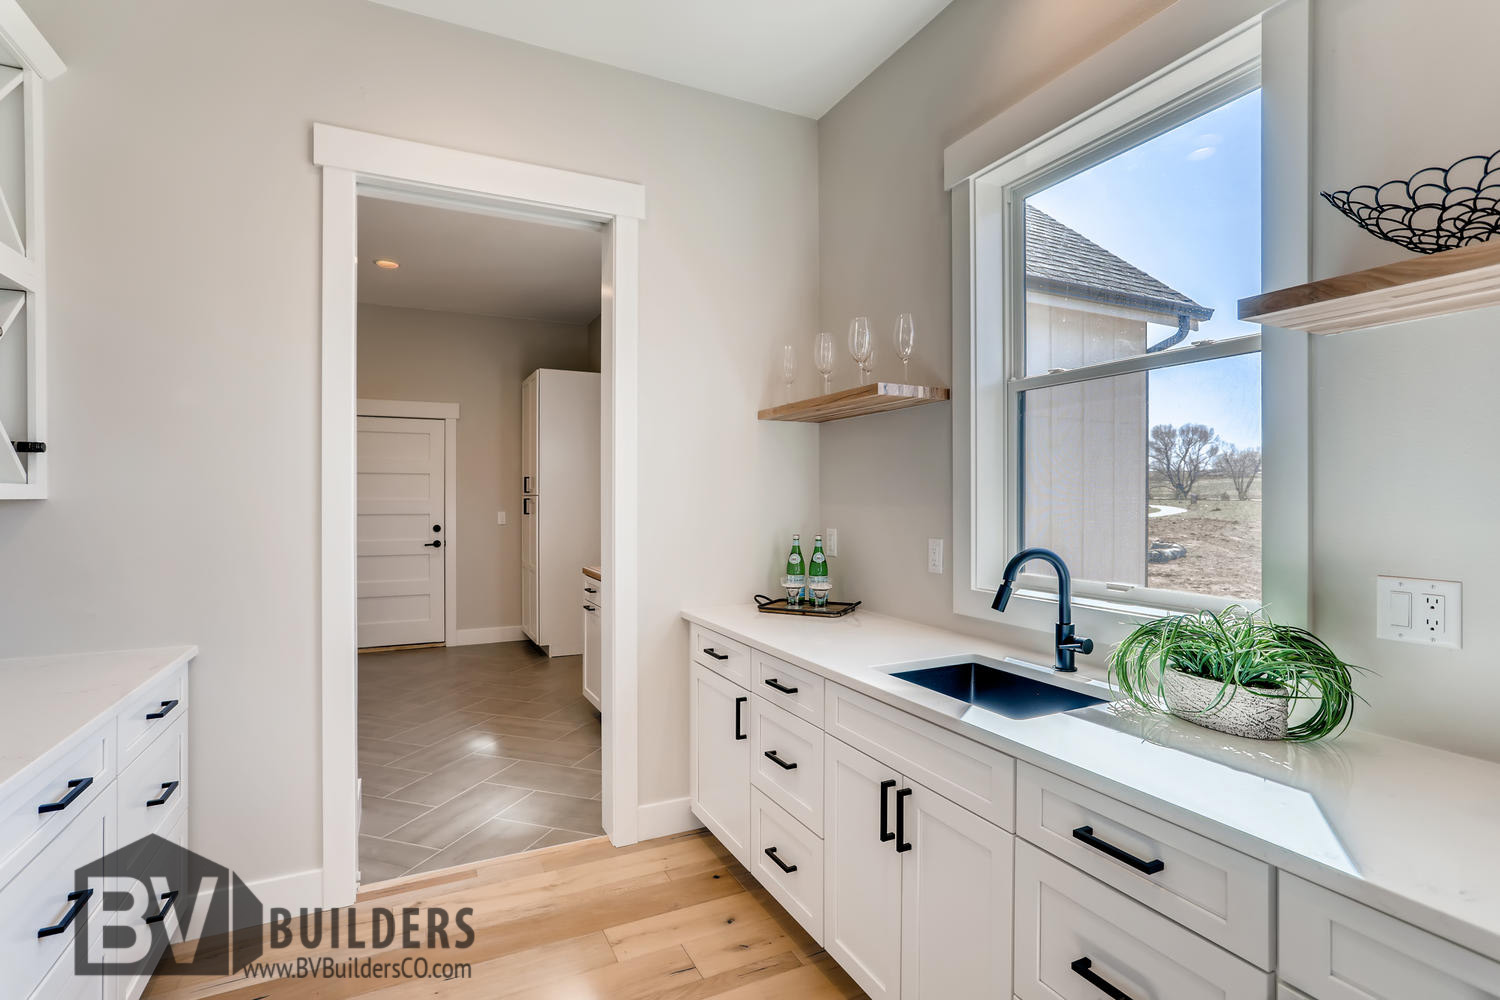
1424,612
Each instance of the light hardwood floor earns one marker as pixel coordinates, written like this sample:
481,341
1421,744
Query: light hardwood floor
669,919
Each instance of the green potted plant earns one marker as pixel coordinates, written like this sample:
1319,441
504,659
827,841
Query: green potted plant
1236,672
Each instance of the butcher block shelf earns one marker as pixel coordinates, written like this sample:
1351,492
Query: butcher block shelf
1432,285
877,397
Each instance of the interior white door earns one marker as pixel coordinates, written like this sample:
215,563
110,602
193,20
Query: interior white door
400,531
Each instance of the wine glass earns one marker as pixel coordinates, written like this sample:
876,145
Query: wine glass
823,358
788,368
861,348
906,340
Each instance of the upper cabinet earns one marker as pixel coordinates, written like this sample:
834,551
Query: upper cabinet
26,62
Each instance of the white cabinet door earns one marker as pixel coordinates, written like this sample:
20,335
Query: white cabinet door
955,901
720,760
531,607
530,431
593,656
862,871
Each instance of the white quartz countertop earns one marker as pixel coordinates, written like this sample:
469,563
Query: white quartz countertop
49,699
1407,829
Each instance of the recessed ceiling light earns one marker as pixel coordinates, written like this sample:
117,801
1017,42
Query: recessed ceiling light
386,263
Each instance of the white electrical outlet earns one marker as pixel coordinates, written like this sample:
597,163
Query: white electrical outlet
830,542
1428,612
500,517
934,555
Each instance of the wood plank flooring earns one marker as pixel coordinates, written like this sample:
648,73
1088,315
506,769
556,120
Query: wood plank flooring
669,919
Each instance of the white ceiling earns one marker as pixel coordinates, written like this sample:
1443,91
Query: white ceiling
478,264
800,56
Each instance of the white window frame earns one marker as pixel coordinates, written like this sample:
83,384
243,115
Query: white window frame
1266,47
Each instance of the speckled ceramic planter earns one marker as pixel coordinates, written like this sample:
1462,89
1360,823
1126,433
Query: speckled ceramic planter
1238,711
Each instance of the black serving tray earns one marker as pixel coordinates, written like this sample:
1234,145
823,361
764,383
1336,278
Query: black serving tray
778,606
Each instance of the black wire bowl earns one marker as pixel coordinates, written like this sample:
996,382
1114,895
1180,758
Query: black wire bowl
1434,210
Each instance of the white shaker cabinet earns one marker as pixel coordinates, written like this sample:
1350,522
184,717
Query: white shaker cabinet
720,759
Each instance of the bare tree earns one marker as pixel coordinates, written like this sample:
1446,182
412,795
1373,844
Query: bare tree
1181,455
1241,465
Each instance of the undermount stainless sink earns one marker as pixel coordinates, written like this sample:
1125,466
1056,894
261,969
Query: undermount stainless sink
1001,691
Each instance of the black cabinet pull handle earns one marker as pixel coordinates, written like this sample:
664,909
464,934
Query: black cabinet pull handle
902,845
715,653
1084,968
76,788
79,899
167,788
525,484
1086,834
771,682
783,764
161,713
589,607
590,590
885,810
771,853
167,899
738,704
525,506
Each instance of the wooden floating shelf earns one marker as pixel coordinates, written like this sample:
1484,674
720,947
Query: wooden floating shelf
1432,285
877,397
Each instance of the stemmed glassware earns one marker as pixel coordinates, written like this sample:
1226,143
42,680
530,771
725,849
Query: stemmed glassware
906,340
823,358
861,347
788,369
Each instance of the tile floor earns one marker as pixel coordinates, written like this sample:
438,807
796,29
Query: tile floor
472,752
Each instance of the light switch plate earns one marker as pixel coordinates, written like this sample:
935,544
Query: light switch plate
934,555
500,517
1426,612
830,542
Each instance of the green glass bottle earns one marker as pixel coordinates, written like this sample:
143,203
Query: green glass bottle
796,572
817,573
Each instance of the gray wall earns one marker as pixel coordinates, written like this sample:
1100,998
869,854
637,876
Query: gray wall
1404,480
477,362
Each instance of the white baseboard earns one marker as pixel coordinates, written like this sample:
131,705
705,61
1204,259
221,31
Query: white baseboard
660,819
299,890
479,636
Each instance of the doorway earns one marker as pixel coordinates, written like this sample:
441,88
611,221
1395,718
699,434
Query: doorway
360,164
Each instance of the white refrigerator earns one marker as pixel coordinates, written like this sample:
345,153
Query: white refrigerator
560,519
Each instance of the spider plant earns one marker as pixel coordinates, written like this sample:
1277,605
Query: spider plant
1239,649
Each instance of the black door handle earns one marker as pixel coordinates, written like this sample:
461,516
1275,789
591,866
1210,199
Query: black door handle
885,810
436,543
167,899
161,713
79,899
783,764
1084,968
76,788
715,653
902,845
771,682
771,853
167,788
1086,834
738,704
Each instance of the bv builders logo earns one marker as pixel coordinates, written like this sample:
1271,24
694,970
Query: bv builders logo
134,905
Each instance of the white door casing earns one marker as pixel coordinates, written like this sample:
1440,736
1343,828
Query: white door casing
400,557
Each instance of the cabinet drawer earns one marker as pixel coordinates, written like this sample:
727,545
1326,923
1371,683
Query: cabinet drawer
593,591
978,778
62,983
23,830
1220,893
150,712
796,783
721,654
1074,933
794,689
38,897
1336,949
158,775
799,891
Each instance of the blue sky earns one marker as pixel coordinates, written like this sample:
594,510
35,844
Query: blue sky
1185,208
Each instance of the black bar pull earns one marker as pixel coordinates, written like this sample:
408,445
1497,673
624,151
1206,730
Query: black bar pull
29,447
715,653
590,590
525,484
771,853
79,899
783,764
526,506
161,713
1086,834
902,845
167,788
76,788
167,899
1084,968
738,704
885,810
589,607
436,543
771,682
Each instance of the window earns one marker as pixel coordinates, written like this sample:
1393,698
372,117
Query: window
1116,398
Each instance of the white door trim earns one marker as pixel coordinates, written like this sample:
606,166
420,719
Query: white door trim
448,414
377,165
